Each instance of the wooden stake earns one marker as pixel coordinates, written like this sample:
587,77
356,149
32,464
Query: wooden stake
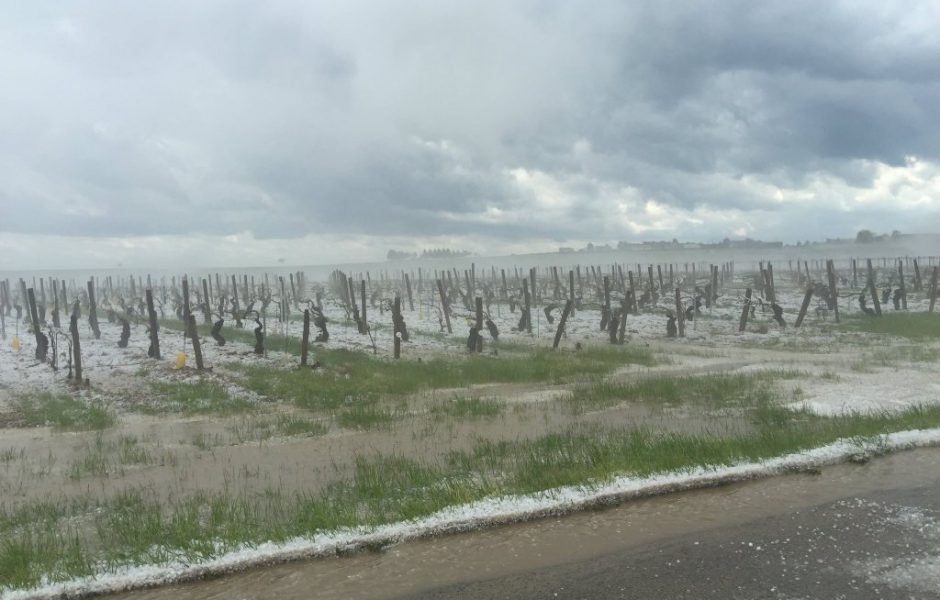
933,288
622,327
207,302
235,308
396,334
903,288
742,324
197,346
872,290
528,305
635,307
76,350
305,339
803,307
411,304
833,289
93,310
190,321
918,286
34,315
152,315
680,314
365,323
445,308
569,305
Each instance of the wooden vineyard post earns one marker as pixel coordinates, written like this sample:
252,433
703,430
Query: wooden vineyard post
680,314
55,305
235,307
364,327
305,339
478,307
93,310
411,304
918,285
933,289
37,326
284,301
903,287
207,303
622,326
803,307
607,294
742,324
569,305
396,334
652,285
662,288
197,346
184,283
505,289
444,307
571,288
528,305
854,274
833,290
714,284
152,315
190,321
634,306
533,291
771,282
76,349
872,290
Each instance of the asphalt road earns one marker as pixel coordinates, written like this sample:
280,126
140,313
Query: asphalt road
884,544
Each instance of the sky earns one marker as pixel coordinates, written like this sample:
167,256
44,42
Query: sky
241,132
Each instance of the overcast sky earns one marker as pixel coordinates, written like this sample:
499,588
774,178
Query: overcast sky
239,132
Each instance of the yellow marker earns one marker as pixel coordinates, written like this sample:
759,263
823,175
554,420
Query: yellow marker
180,360
15,344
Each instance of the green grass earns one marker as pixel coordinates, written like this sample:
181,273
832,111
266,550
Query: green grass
195,398
712,391
62,411
370,415
348,376
135,528
914,326
292,425
463,407
105,457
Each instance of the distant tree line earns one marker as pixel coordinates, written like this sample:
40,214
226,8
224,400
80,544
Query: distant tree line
866,236
429,253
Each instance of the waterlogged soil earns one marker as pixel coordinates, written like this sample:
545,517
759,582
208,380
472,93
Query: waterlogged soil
171,454
246,453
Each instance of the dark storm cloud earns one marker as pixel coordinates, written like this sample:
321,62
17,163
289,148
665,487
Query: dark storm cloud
124,119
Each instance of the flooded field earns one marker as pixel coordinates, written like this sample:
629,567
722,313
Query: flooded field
155,464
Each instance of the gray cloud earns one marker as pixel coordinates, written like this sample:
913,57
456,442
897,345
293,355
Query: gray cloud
390,119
